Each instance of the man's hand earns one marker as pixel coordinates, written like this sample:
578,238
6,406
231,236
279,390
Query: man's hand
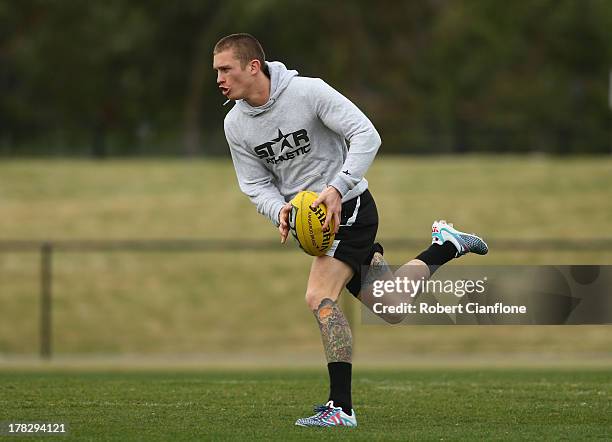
283,219
333,201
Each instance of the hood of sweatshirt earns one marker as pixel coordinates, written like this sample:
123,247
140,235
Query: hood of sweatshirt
280,77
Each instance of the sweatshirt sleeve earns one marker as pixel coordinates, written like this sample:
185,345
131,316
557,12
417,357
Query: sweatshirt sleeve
255,180
340,115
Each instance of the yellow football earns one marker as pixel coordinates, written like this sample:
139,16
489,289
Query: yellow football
306,224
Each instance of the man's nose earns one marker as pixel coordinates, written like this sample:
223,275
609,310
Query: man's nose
219,78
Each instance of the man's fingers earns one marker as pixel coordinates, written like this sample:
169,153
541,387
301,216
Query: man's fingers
316,202
284,232
283,216
336,222
332,215
283,227
325,225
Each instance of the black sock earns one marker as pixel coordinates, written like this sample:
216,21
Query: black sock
340,385
437,255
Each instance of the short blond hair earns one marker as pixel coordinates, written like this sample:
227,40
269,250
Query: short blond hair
245,46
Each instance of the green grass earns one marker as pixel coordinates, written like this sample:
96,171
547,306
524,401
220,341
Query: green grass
188,310
263,405
512,197
185,303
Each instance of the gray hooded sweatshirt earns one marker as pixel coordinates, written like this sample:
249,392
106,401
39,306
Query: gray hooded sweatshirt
306,137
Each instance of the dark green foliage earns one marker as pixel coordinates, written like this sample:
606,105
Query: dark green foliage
134,77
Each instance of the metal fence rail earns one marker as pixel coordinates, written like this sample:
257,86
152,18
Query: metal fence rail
47,249
232,245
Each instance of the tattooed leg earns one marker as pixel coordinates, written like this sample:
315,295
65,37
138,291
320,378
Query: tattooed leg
335,332
379,270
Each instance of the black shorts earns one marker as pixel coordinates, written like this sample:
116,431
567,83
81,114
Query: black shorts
353,242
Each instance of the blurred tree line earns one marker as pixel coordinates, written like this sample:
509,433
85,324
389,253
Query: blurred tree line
134,77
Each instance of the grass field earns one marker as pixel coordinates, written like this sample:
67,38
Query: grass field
509,197
186,303
263,405
133,331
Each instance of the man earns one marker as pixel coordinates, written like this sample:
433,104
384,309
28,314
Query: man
288,133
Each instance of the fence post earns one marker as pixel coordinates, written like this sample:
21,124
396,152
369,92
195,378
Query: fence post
46,255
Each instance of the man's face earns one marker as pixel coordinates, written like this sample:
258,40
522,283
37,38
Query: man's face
233,81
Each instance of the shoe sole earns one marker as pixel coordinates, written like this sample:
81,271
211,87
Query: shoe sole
475,244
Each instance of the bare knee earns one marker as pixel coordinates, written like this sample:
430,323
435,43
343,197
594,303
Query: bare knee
374,305
314,298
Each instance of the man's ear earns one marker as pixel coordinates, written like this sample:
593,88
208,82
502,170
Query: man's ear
254,66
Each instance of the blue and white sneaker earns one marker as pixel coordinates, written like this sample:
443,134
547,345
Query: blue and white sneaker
328,416
463,242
